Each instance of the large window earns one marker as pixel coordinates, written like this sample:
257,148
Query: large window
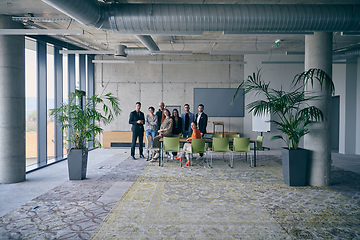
50,77
50,102
65,97
31,101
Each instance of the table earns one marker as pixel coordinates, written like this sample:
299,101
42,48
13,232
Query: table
183,140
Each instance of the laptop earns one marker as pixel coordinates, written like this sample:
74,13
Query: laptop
208,136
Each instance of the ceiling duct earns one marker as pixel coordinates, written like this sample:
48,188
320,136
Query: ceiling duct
148,42
354,53
120,51
144,19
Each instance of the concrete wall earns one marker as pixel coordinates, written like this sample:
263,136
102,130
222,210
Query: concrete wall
174,84
171,83
339,76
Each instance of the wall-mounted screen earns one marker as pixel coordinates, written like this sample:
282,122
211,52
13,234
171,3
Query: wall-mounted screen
217,101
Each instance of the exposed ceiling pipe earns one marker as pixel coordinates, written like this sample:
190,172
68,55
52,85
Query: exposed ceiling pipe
231,18
95,14
148,42
346,54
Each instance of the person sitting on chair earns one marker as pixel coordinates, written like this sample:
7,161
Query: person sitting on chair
187,146
164,131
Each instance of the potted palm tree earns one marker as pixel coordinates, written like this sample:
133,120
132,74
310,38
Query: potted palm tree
292,113
83,125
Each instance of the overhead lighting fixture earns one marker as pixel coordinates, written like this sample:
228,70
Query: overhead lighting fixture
85,52
43,19
171,62
218,52
225,62
41,32
112,61
181,33
294,53
282,62
354,34
267,33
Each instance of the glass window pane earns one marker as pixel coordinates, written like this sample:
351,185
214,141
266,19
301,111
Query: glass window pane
77,72
65,98
50,102
31,101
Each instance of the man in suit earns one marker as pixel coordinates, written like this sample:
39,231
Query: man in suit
137,119
159,115
187,118
201,118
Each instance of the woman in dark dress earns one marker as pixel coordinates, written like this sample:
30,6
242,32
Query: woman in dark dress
177,126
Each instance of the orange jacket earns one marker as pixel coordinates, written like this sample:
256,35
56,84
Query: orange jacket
195,135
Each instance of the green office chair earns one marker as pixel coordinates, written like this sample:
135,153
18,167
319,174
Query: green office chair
259,146
240,145
171,144
218,135
214,136
232,136
219,145
197,146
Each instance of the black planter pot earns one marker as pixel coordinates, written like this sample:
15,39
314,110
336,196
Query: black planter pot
294,163
77,163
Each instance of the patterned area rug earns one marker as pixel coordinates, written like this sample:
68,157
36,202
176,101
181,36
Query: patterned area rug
72,210
224,203
190,203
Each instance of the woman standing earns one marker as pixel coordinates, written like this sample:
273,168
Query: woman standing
150,126
177,127
165,129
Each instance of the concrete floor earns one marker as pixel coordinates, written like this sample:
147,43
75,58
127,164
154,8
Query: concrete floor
122,198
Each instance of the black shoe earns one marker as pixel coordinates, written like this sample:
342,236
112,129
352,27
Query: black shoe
142,156
133,158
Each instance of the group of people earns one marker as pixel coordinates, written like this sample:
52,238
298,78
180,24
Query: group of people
163,124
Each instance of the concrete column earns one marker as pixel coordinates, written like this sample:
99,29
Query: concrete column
318,54
12,105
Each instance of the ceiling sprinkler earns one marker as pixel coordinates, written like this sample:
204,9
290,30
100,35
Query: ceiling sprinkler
277,43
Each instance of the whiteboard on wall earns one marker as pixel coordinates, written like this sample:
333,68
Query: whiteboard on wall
217,101
261,123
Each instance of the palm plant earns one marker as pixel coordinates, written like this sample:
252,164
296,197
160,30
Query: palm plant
83,122
293,111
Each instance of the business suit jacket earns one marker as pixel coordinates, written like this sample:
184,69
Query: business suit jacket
133,120
191,119
137,131
202,122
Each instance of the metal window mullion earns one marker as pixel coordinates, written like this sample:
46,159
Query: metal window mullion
82,72
90,91
41,103
71,83
58,70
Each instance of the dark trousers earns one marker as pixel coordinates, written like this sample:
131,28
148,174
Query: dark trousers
135,135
